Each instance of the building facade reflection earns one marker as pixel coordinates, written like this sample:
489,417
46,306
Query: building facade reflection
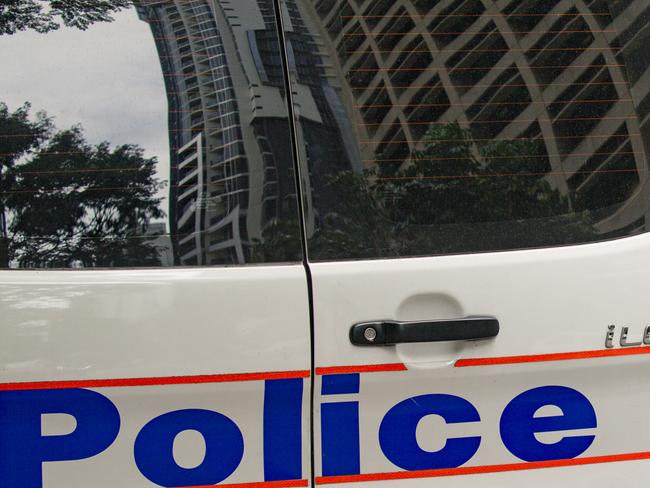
572,75
231,151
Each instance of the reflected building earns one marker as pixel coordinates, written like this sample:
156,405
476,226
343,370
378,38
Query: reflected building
571,74
231,151
159,240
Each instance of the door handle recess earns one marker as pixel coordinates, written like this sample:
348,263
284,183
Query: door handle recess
388,332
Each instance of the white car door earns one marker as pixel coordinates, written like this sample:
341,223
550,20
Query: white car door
151,332
478,182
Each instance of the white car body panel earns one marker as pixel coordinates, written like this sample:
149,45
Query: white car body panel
548,301
61,325
155,342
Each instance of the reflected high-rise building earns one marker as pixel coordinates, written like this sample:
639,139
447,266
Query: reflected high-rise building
571,74
231,154
370,78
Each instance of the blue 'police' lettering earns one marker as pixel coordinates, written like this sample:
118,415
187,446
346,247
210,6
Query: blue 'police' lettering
340,384
519,425
283,429
397,432
340,426
224,448
340,438
22,447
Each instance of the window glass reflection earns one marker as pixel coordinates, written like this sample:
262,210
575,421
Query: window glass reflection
143,133
475,125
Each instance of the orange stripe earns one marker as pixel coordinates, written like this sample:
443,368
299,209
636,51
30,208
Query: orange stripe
372,368
170,380
561,356
498,468
260,484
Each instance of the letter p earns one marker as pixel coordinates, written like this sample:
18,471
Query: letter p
23,448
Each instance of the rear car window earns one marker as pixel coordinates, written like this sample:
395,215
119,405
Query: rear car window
143,134
455,126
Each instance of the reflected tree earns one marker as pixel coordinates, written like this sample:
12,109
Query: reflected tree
452,195
65,202
20,137
279,243
48,15
458,195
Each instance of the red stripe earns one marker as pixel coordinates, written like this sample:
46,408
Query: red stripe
260,484
168,380
372,368
498,468
561,356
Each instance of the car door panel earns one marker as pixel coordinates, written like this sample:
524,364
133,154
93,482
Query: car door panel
454,409
139,360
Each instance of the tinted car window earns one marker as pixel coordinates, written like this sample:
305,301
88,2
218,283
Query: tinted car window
144,133
446,126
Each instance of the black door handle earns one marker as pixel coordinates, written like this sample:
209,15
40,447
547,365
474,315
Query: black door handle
388,333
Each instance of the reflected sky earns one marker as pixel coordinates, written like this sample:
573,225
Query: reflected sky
106,78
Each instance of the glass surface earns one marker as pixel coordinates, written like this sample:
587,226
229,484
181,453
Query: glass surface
146,133
448,126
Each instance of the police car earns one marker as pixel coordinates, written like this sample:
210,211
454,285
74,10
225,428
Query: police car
289,243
